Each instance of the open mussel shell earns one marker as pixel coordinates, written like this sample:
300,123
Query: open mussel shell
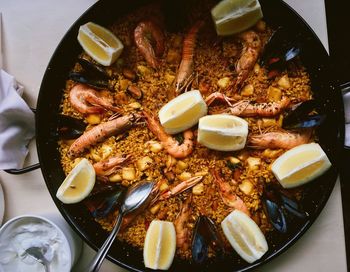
86,79
293,207
308,122
70,127
103,201
276,215
282,47
92,74
206,235
299,116
93,70
279,208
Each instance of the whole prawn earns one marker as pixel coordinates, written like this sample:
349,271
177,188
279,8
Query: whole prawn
279,139
181,228
87,100
228,194
172,146
101,132
141,33
184,75
252,46
247,108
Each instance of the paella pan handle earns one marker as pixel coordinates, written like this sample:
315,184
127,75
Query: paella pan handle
345,89
24,169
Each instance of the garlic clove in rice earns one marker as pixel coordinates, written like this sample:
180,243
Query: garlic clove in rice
144,163
129,173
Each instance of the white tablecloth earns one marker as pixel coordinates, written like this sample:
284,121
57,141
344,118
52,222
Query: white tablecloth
31,32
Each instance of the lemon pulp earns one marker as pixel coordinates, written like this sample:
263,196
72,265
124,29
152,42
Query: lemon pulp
182,112
100,43
222,132
78,183
233,16
160,245
244,236
300,165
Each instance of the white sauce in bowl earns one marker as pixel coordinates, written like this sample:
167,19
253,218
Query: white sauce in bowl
26,232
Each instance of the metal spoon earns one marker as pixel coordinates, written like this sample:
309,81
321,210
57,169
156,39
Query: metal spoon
38,253
136,197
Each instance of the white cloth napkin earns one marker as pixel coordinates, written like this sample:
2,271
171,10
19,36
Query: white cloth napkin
346,100
17,125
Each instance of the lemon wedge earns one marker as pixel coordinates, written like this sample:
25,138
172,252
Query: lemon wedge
100,43
244,236
182,112
233,16
160,245
78,184
222,132
300,165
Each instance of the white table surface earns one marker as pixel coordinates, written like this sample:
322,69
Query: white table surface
31,32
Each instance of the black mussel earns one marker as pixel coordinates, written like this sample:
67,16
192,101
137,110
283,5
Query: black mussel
101,203
293,207
91,74
276,215
308,122
282,47
205,235
70,127
91,81
299,116
278,207
93,70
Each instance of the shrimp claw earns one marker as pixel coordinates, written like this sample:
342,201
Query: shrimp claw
183,186
108,166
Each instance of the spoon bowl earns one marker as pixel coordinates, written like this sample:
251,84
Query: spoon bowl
38,254
136,199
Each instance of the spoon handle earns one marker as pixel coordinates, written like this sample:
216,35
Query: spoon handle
47,267
96,262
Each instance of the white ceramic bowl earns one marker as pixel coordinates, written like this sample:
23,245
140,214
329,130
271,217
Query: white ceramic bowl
72,243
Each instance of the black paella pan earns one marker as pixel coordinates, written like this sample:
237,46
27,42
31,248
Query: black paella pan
315,195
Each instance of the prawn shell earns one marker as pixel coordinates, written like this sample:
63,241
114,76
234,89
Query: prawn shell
69,127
